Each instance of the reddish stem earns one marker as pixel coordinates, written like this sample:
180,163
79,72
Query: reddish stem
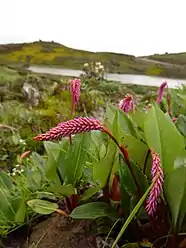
169,103
71,114
126,156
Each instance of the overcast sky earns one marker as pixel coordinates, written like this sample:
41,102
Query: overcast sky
138,27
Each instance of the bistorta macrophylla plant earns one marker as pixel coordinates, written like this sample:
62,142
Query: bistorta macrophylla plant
127,104
156,190
152,150
75,85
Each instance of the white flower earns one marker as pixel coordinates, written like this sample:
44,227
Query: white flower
22,141
17,166
86,64
96,70
14,169
101,67
22,170
98,63
13,174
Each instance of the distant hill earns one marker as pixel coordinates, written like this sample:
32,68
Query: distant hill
172,58
55,54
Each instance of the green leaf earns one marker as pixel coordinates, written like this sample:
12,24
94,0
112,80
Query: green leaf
102,168
65,190
5,180
72,163
51,167
122,123
36,177
132,214
90,192
125,196
138,117
137,151
110,114
131,245
181,124
163,137
93,210
21,212
52,148
47,195
128,181
175,193
42,206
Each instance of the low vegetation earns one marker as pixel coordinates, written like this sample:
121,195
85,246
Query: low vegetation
121,172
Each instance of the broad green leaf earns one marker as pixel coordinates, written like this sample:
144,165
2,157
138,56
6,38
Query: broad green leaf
36,177
71,163
128,181
90,192
93,210
138,117
5,180
121,123
47,195
102,168
110,114
132,214
52,148
180,161
125,123
42,206
175,193
21,212
181,124
138,151
65,190
7,212
163,137
103,151
51,168
125,196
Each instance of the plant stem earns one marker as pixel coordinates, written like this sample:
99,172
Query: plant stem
71,115
169,102
146,159
126,157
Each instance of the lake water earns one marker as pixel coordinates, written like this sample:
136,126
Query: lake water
123,78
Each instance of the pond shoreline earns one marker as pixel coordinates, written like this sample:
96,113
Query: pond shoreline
143,80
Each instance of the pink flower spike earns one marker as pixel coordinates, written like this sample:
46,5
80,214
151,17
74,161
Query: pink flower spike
127,104
75,85
155,192
75,126
160,91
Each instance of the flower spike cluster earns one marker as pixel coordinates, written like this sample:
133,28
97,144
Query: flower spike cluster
75,85
160,91
75,126
155,192
127,103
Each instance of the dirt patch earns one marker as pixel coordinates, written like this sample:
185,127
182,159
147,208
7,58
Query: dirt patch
61,232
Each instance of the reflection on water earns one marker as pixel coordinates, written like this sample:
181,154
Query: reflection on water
123,78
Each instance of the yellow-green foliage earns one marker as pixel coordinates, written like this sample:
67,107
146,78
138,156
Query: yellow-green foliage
49,53
7,74
154,71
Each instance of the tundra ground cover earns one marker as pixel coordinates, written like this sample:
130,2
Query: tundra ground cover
127,169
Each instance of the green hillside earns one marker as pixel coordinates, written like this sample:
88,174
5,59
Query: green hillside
172,58
55,54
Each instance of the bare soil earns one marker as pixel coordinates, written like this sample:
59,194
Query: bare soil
60,232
